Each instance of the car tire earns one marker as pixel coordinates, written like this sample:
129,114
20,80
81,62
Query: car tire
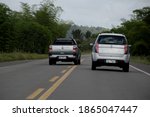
54,62
50,62
76,61
93,65
126,67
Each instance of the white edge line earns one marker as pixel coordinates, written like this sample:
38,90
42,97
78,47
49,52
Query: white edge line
140,70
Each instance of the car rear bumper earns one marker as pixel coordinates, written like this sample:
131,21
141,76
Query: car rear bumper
62,57
103,62
111,60
119,57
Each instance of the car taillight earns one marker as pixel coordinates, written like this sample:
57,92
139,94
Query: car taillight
97,48
50,48
75,48
125,49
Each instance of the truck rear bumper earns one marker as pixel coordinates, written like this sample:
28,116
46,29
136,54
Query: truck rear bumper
66,58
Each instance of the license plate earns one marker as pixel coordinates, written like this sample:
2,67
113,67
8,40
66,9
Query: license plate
62,57
110,61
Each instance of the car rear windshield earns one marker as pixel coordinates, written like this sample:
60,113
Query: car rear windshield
64,42
111,39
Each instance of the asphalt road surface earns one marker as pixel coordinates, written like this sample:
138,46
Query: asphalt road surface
36,80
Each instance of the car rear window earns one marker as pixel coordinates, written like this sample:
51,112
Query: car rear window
64,42
111,39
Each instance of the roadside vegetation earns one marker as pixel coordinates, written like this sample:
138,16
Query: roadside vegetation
5,57
31,30
141,59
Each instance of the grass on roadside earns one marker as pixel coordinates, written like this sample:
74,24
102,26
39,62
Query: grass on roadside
141,59
20,56
29,56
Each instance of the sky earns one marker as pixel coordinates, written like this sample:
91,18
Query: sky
102,13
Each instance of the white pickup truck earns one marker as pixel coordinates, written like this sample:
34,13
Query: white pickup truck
65,50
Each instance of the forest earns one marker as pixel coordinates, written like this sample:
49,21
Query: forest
33,28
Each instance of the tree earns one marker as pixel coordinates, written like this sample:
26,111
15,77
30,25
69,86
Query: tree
47,15
88,34
77,34
6,29
143,14
137,31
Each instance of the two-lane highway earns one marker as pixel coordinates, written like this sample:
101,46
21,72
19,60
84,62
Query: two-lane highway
37,80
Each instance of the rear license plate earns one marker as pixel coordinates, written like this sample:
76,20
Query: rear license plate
110,61
62,57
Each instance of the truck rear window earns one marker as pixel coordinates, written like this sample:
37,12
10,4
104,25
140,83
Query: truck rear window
111,39
64,42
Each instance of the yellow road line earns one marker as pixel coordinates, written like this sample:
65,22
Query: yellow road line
63,71
54,79
35,93
56,84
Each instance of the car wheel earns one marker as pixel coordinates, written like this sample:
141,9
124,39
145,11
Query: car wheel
76,62
93,65
50,62
126,67
54,62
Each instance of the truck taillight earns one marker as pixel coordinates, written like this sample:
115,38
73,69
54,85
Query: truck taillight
125,49
75,48
50,48
97,48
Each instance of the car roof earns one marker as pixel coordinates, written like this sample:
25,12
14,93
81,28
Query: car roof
113,34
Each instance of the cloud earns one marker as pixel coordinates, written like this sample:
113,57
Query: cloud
106,13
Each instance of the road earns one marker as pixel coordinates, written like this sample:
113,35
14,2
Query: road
36,80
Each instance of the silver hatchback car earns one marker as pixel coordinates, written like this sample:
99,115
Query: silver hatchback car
111,49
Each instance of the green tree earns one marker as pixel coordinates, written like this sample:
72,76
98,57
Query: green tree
47,15
143,14
6,29
77,34
137,30
31,29
88,34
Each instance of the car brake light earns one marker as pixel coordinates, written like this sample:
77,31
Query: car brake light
97,48
125,49
50,48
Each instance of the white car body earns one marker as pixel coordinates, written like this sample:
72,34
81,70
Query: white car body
111,49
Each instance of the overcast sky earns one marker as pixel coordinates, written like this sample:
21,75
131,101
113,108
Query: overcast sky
103,13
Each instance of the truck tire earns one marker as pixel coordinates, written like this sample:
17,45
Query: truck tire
126,67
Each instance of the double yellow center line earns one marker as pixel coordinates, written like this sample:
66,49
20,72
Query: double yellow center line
58,80
56,84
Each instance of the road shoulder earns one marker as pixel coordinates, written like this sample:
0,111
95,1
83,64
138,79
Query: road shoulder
143,67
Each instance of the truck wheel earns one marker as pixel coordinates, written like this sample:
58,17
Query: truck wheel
126,67
79,62
50,62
